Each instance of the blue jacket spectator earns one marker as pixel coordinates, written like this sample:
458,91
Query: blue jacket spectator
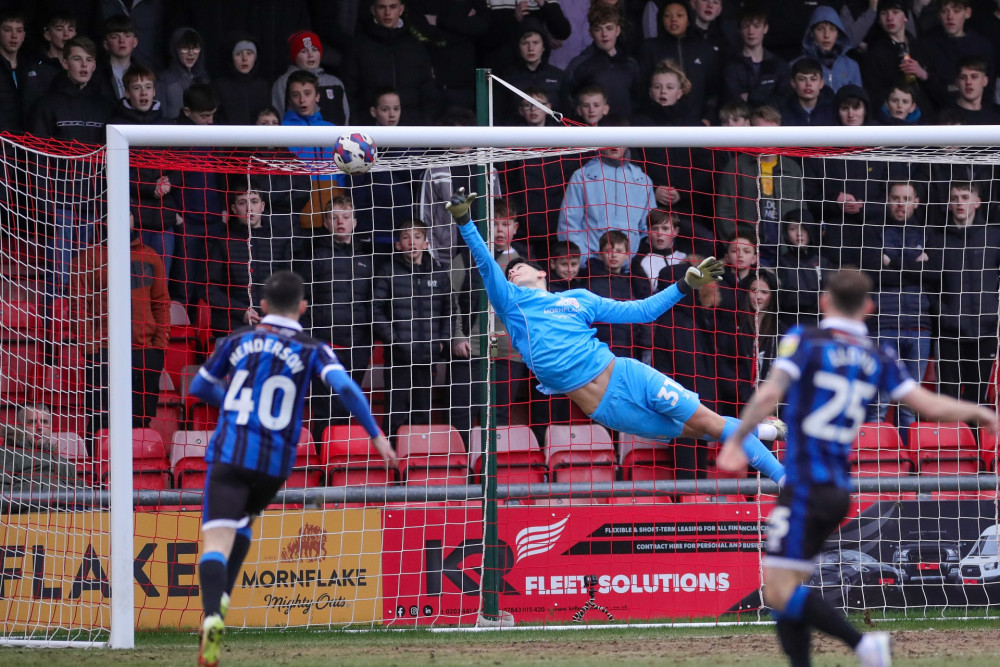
819,43
608,192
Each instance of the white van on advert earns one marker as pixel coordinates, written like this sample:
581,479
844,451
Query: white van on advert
982,564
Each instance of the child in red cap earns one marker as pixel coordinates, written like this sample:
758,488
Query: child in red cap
305,50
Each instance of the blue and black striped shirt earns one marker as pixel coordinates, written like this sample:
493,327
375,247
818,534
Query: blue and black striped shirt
837,372
270,368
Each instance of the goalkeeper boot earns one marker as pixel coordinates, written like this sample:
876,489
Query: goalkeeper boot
211,641
780,426
875,650
224,605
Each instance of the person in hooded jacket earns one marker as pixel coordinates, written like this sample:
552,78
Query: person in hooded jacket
505,19
530,70
306,53
187,66
387,54
243,91
826,40
337,269
694,55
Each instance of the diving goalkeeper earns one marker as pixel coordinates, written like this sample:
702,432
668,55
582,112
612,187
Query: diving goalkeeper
554,335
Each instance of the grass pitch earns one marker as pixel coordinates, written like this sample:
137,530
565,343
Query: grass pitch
918,643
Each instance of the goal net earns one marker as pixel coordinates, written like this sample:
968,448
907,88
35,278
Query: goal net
510,504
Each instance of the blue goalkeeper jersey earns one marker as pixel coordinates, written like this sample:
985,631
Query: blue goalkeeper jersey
836,373
270,368
553,332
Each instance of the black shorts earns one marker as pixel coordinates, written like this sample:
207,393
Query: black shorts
233,495
804,517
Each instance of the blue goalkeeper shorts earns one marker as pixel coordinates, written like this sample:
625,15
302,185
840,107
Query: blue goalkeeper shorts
644,402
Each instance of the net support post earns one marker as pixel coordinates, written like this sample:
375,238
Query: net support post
491,556
120,391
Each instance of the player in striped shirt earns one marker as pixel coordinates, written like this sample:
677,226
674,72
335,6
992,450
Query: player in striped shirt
269,369
829,374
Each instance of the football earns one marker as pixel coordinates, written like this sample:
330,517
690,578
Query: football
354,153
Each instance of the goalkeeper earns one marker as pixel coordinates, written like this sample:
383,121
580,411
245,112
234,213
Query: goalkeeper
553,333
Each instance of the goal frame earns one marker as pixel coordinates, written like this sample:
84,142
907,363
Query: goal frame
122,138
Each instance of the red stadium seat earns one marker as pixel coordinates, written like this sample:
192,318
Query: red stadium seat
73,448
519,458
187,458
580,453
878,450
432,454
63,379
351,460
150,466
20,371
644,460
946,448
20,321
309,470
167,421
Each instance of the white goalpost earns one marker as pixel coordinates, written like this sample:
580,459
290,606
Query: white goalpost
441,572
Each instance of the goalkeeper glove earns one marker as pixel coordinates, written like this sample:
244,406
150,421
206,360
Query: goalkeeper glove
707,272
459,206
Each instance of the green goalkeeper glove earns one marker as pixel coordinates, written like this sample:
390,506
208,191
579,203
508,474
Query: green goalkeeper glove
459,206
707,272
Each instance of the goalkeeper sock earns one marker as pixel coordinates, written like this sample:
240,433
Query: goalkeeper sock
795,638
809,606
760,456
212,575
241,545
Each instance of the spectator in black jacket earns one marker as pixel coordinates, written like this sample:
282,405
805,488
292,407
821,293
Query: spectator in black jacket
201,204
412,315
801,271
604,64
809,103
59,28
894,54
505,19
13,69
564,267
972,104
337,270
967,307
240,265
452,31
694,55
384,199
386,54
152,196
243,91
120,42
73,110
608,275
947,45
754,74
530,69
904,269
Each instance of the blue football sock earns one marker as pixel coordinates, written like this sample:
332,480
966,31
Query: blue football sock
760,456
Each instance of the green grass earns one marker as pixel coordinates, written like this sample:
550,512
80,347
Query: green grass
920,643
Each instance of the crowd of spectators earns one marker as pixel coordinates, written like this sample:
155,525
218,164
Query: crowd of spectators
380,255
